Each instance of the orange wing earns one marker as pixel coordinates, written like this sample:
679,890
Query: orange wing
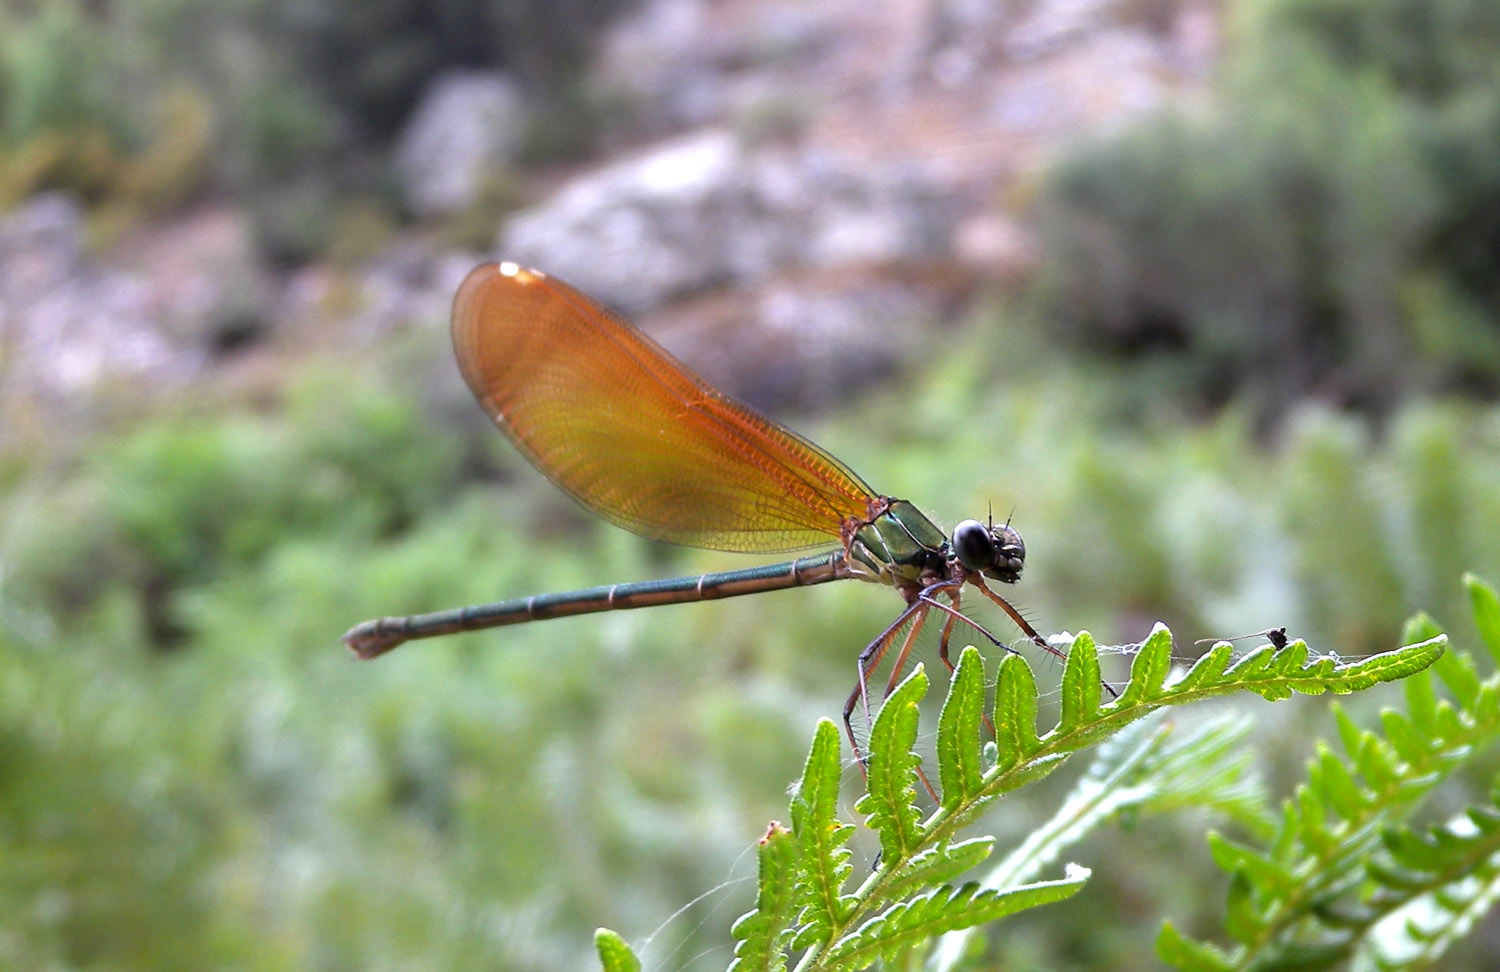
622,426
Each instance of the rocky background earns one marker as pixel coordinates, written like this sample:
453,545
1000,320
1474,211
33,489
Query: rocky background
796,197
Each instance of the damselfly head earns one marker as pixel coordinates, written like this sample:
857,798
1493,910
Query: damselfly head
994,551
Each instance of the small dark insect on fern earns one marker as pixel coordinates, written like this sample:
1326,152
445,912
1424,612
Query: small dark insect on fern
805,911
1346,876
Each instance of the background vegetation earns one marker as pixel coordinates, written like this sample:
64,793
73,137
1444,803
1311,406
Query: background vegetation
1251,384
1328,227
287,105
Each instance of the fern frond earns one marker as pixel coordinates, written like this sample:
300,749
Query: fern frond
614,954
761,935
943,909
1015,714
1433,886
908,900
1344,874
936,865
1188,954
822,859
1152,765
1081,684
890,805
959,752
1486,606
1023,756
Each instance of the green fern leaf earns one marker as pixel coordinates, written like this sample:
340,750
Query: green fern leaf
959,755
1389,666
760,935
1459,674
1434,885
1261,868
1404,735
1343,874
1335,786
944,909
1148,673
1383,765
1258,664
1486,605
1209,669
1242,918
1204,765
1396,879
1181,952
1081,684
1152,764
937,865
823,860
890,805
1015,713
806,874
614,954
1457,846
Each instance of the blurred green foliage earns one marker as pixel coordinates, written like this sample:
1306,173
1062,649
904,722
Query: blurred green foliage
1327,225
1347,880
84,109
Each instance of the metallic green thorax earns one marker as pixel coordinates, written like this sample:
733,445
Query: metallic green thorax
900,545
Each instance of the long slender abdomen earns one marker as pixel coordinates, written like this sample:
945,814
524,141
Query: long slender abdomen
373,638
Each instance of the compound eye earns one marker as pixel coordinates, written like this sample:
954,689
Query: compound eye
974,545
1012,547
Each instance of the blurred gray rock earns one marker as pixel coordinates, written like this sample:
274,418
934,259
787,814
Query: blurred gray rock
164,303
1100,75
410,285
662,60
680,64
41,242
803,342
1051,25
208,290
816,346
704,212
468,125
66,324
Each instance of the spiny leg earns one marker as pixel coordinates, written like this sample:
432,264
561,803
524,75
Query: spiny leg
875,650
870,658
927,596
955,615
978,581
890,686
956,594
952,589
956,597
916,613
900,663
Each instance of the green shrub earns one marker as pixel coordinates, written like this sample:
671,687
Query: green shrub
1326,226
85,107
181,502
1429,49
